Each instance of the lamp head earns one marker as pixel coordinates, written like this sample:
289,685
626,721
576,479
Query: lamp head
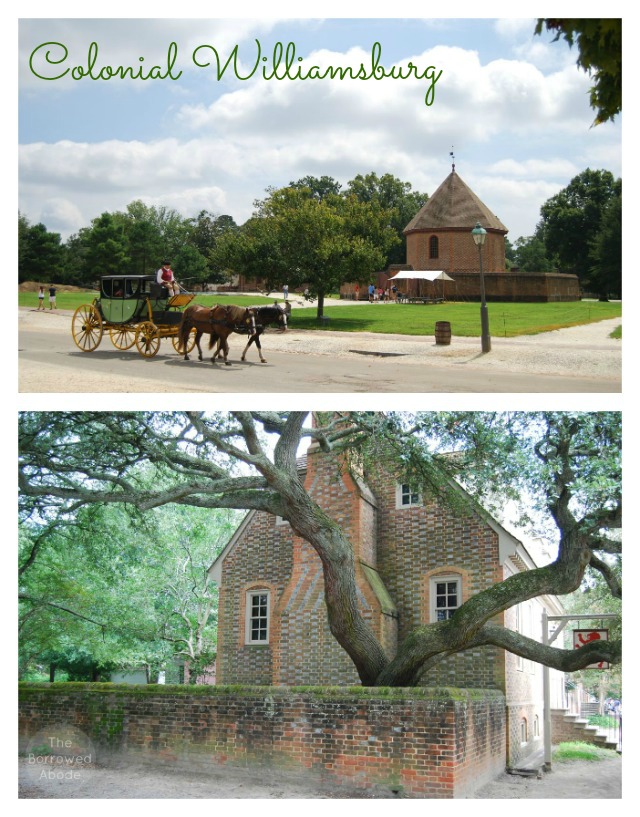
479,234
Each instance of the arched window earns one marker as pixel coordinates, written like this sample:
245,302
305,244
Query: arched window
433,247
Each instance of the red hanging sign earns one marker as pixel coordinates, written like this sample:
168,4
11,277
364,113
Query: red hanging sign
582,637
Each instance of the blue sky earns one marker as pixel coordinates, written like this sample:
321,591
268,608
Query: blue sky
513,106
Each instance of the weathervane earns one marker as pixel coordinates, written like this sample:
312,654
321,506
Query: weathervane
453,160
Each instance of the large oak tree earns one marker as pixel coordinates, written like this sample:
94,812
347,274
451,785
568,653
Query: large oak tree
569,465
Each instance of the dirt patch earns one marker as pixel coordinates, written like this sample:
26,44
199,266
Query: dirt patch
34,286
576,779
573,780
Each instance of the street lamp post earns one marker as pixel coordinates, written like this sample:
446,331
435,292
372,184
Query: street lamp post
479,235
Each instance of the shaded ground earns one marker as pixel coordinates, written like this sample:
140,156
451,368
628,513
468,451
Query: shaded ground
577,779
572,780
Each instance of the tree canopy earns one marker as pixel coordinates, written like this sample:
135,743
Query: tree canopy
571,223
599,43
310,236
567,464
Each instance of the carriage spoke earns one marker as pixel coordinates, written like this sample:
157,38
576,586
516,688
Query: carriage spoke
86,327
122,337
147,339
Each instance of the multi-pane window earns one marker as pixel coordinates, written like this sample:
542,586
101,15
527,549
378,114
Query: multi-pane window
446,598
257,629
407,496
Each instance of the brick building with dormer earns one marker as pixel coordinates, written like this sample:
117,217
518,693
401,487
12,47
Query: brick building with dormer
416,561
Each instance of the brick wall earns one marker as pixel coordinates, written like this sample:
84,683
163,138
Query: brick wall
270,556
426,743
416,544
457,251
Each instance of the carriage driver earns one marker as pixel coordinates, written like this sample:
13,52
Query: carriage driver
166,278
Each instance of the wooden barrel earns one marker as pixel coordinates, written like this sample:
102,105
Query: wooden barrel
443,333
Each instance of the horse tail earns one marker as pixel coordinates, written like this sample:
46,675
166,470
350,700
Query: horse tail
183,331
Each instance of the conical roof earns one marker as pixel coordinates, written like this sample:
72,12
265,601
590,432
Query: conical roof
454,205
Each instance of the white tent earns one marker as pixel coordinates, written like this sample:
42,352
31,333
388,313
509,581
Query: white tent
422,275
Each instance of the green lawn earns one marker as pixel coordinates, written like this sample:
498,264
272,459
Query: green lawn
505,320
581,751
72,300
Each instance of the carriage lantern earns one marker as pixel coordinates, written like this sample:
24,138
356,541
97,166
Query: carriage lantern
479,235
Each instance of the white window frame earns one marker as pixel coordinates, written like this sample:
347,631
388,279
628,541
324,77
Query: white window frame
250,617
405,491
447,578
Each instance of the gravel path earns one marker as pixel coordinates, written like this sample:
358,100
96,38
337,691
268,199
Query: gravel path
578,350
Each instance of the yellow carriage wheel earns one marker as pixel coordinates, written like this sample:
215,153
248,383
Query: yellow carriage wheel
191,342
147,339
122,337
86,327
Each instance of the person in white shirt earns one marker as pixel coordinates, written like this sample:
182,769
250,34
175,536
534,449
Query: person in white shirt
165,277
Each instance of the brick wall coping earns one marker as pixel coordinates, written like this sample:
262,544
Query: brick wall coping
26,688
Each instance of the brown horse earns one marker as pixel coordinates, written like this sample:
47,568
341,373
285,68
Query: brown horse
265,316
218,322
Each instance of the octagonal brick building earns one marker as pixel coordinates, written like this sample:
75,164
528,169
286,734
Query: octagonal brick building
439,236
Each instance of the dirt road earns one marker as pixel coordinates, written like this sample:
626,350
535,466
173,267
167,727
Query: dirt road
573,780
582,359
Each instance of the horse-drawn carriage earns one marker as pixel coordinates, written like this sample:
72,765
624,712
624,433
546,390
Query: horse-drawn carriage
135,310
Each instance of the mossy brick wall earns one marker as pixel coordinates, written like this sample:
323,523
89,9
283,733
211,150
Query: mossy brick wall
436,743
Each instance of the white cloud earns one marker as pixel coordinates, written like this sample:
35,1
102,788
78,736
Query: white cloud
520,134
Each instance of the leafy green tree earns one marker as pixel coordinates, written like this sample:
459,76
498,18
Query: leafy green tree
171,228
599,42
40,253
145,243
530,255
321,243
571,219
190,267
205,232
397,198
255,250
567,464
107,246
320,188
605,276
113,589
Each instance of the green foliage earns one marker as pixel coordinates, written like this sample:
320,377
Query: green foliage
397,199
599,43
605,275
113,588
572,219
299,237
567,752
107,247
559,470
40,253
530,255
